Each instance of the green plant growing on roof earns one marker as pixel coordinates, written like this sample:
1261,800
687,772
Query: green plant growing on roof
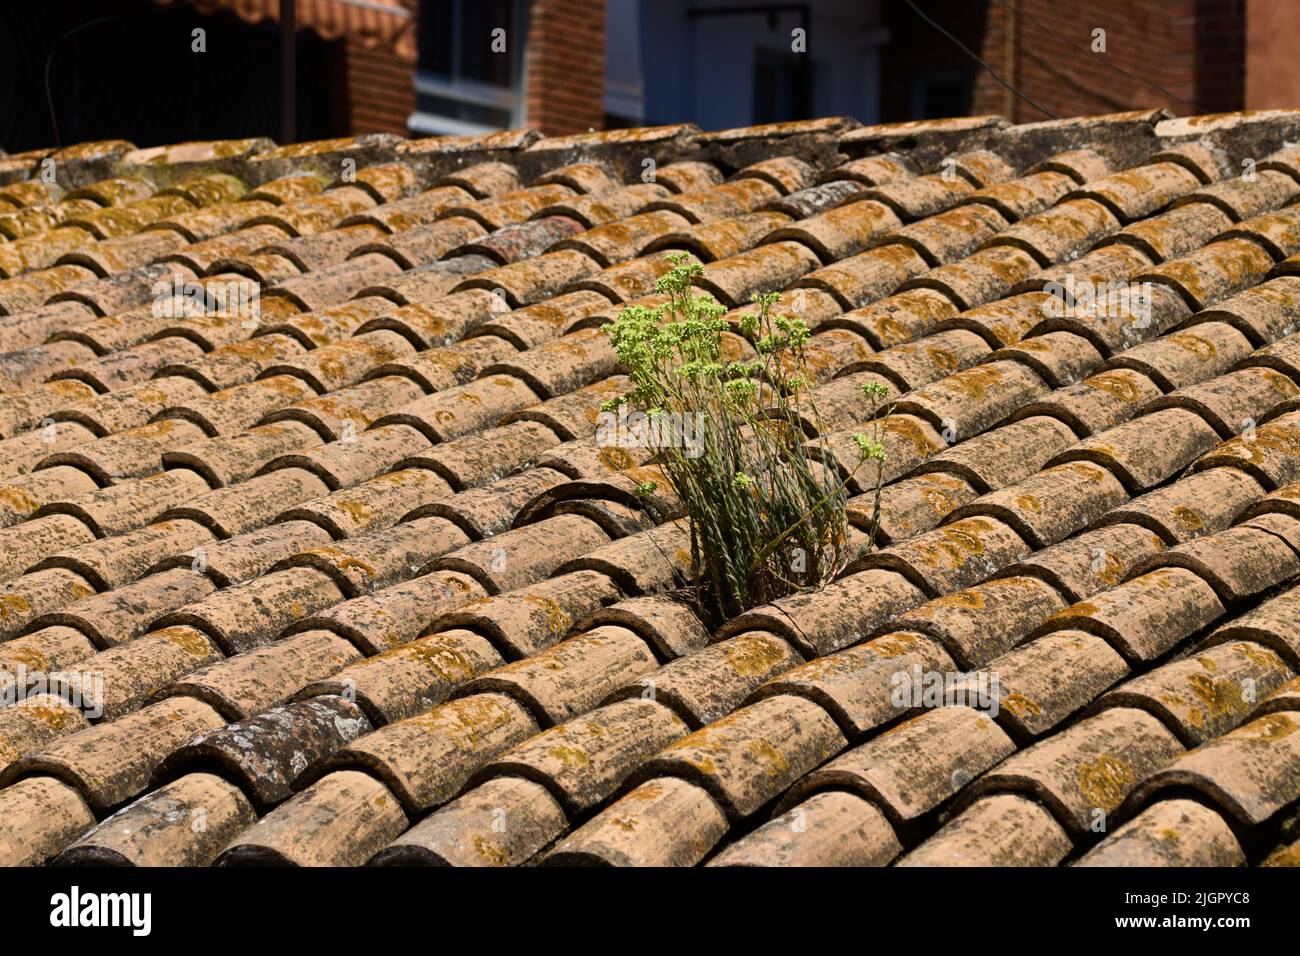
766,517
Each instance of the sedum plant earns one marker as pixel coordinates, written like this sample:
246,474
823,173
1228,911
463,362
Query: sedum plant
765,519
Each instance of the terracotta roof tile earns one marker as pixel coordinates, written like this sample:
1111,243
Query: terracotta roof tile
1249,774
841,615
265,753
1199,504
1204,839
581,762
1083,773
123,614
1061,232
395,615
747,759
527,620
426,759
259,677
336,487
468,831
128,676
44,718
829,829
855,685
23,496
1272,624
1146,615
570,677
979,623
1047,680
708,683
163,827
913,767
1238,563
41,816
341,820
46,649
666,821
999,830
112,562
409,678
1202,697
1092,561
111,763
1145,451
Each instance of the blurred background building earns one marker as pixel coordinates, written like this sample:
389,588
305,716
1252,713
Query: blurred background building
128,68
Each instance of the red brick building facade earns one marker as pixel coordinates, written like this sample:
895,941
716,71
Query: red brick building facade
1075,57
565,66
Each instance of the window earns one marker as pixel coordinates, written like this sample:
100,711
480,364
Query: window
782,84
940,95
463,84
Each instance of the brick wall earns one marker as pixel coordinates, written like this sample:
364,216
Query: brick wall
1185,46
565,66
379,89
1272,33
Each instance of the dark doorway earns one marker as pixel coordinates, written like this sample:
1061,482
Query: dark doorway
134,75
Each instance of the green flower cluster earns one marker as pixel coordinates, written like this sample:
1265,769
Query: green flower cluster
767,509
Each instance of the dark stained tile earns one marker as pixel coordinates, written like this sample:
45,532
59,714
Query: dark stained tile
185,823
263,754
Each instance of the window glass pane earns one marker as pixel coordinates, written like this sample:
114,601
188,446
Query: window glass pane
477,59
458,109
435,36
780,87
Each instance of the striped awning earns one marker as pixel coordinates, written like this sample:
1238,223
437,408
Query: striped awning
373,22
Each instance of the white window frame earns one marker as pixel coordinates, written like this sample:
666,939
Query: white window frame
510,99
